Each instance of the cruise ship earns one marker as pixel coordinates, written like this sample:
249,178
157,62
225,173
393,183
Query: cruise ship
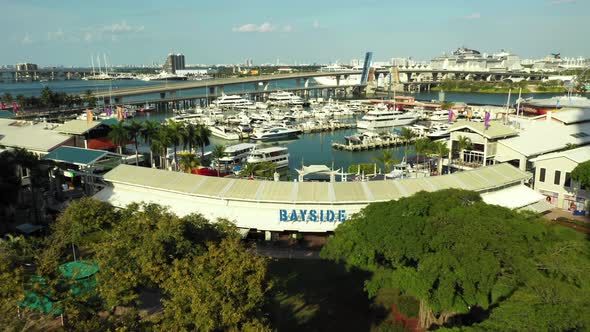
231,101
278,155
541,106
385,119
234,155
275,133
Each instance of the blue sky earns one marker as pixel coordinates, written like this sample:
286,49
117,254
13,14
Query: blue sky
68,32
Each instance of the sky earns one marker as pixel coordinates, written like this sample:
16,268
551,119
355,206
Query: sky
70,32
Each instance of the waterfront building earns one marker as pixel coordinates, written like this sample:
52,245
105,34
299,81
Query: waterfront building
173,63
36,137
484,143
274,206
26,67
545,134
553,178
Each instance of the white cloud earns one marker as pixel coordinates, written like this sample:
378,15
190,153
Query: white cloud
27,39
88,37
56,35
287,28
316,24
562,2
264,27
122,28
474,16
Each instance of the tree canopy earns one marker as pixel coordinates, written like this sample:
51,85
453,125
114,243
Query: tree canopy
455,253
581,174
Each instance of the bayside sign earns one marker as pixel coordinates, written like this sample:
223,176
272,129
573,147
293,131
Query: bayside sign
312,215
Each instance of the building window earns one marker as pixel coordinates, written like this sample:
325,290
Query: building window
568,180
557,179
542,175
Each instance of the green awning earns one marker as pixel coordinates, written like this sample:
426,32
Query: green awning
76,156
78,269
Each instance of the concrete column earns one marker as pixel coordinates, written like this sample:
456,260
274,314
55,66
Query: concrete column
267,235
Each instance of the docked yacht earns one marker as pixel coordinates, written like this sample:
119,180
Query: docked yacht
363,138
224,133
234,155
383,119
279,155
275,133
439,131
231,101
283,98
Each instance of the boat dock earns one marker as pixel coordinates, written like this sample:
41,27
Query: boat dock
326,127
386,143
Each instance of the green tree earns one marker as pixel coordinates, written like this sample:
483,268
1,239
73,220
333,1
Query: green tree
221,290
447,105
387,159
407,135
218,153
159,145
440,149
119,134
11,290
581,174
423,147
188,162
203,135
89,99
175,132
21,100
455,253
134,129
463,143
7,97
46,97
148,131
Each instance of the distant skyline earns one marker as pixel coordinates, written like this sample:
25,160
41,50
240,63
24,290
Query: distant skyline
68,32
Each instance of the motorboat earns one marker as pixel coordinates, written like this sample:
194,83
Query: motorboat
439,131
234,155
363,138
384,119
279,155
438,116
224,133
275,133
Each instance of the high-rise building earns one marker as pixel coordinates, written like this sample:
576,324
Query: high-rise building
173,63
26,66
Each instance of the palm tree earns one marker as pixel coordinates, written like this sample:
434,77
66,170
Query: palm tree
149,129
407,134
387,160
203,134
89,99
217,153
463,143
423,146
134,129
119,135
248,169
441,149
159,144
190,137
174,131
188,162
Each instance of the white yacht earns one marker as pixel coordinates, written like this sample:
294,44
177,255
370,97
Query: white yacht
164,76
384,119
439,131
231,101
441,115
275,133
234,155
276,154
224,133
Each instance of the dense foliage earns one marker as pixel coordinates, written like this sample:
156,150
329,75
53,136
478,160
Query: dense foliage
581,174
456,255
193,267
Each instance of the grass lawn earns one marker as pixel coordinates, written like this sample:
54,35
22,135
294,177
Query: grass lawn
318,295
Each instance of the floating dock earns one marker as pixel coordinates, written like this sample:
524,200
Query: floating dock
386,143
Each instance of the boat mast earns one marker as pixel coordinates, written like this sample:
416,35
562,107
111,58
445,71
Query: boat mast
98,59
106,67
92,61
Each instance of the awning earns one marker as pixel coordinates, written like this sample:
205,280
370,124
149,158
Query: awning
513,197
539,207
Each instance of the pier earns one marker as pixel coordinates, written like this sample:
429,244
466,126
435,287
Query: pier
386,143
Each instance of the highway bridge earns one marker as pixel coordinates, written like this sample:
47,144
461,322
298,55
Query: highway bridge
410,78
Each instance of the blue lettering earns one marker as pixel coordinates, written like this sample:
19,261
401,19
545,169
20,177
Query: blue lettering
283,215
313,215
293,216
341,215
303,213
321,215
330,216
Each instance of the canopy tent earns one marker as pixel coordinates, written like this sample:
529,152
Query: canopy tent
513,197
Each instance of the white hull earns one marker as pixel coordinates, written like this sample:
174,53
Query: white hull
224,134
279,163
331,80
364,124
